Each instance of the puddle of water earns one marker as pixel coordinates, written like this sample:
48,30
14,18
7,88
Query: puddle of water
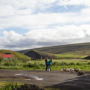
29,76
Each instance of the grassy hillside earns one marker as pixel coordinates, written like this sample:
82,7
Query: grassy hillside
39,55
17,62
17,55
79,50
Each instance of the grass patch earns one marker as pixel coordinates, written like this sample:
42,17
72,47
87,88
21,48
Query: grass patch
69,56
40,64
18,86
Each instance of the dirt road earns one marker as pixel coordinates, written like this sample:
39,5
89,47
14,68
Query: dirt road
47,79
41,78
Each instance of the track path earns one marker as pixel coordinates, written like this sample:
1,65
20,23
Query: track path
41,78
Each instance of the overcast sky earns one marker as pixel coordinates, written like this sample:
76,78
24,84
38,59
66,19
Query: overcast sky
37,23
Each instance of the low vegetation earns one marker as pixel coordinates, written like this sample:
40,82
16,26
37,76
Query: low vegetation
40,64
63,64
21,86
70,56
18,86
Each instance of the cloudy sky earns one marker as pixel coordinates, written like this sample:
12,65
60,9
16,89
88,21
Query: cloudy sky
37,23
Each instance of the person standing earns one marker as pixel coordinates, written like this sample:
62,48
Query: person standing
46,65
49,65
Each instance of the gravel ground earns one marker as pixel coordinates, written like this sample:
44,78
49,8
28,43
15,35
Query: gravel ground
42,78
53,79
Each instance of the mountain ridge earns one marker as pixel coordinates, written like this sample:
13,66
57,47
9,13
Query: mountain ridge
79,50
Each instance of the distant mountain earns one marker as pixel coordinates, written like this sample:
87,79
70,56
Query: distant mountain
66,48
76,50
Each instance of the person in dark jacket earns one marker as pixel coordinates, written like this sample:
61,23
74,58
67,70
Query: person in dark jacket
46,60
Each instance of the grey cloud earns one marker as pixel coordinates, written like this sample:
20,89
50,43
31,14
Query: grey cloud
42,38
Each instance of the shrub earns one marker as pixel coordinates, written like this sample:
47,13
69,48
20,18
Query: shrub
78,63
71,63
88,63
31,66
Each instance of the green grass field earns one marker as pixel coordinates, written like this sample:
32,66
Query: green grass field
65,63
70,56
40,64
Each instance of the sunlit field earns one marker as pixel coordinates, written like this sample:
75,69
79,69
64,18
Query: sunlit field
40,64
64,64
